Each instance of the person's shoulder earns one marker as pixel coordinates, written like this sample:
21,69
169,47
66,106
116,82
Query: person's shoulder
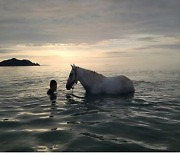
49,92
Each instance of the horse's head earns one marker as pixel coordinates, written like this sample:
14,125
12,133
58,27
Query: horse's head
72,78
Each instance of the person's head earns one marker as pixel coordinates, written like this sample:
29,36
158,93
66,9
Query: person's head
53,85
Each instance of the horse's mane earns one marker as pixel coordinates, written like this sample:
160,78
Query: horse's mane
94,73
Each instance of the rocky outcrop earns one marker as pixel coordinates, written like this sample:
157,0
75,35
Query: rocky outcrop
17,62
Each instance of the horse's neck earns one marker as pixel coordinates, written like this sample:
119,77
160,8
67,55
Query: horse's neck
87,78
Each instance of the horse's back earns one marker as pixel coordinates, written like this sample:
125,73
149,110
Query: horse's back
118,85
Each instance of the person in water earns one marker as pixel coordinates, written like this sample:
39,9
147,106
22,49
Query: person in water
52,90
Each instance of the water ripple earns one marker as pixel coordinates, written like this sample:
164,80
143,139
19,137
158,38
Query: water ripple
147,121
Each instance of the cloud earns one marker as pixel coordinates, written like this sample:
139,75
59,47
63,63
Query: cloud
90,21
4,50
167,46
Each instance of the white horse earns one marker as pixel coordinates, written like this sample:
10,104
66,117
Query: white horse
95,83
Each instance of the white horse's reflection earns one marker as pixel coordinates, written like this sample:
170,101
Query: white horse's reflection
95,83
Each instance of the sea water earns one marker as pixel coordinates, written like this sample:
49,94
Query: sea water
147,121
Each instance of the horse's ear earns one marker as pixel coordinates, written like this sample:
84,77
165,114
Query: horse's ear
73,66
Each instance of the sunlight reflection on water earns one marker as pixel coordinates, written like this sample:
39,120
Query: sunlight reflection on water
149,121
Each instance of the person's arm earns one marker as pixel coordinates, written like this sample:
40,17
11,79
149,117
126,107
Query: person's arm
51,94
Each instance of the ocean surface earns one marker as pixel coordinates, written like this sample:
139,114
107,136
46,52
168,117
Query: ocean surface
147,121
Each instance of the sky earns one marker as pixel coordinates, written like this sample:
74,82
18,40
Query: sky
140,32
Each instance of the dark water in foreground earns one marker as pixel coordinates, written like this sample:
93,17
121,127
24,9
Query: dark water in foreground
149,121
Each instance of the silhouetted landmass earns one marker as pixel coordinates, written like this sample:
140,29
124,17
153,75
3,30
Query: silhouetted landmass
17,62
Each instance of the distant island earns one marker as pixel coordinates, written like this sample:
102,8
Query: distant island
17,62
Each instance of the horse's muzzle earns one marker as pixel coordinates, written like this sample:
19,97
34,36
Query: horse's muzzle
68,87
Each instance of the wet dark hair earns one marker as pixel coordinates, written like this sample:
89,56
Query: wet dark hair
52,82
